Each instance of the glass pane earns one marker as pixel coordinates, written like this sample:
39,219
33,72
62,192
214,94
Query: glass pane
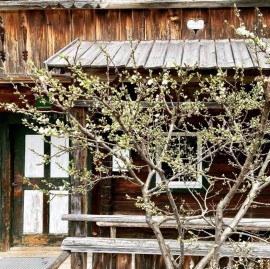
34,150
60,158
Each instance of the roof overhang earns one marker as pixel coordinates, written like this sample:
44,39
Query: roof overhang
201,54
128,4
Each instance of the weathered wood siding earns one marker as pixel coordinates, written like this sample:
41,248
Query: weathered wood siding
38,34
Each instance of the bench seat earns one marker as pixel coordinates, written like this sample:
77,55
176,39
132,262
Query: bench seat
150,246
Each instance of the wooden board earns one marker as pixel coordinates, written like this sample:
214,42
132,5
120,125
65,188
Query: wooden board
157,54
150,246
174,53
207,54
224,54
141,54
191,53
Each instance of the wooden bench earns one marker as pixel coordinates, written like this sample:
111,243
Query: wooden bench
150,246
135,246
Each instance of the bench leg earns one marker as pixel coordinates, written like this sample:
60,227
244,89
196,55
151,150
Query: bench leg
133,261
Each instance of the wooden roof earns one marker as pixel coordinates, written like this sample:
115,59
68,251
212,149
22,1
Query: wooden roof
205,54
122,4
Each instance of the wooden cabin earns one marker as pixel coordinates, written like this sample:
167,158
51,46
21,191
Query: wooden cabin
41,30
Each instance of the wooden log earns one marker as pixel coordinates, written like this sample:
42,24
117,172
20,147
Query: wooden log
150,246
59,260
249,224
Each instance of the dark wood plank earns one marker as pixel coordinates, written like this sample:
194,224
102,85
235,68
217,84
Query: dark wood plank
36,36
219,28
138,24
125,23
58,29
162,22
175,16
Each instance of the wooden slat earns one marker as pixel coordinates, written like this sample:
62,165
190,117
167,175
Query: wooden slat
89,56
123,55
55,58
191,53
141,54
150,246
224,54
105,57
157,55
255,224
174,53
207,54
73,54
241,54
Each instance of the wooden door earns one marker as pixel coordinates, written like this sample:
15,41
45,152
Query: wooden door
35,220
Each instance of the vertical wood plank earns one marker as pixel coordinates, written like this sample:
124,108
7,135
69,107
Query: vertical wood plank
162,23
90,20
34,148
125,24
175,16
59,29
36,31
12,27
150,27
78,24
5,185
138,24
220,29
100,17
58,206
33,212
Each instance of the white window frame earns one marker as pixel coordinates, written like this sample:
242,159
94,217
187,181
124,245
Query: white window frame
117,164
198,184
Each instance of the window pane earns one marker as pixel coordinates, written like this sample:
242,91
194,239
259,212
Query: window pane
60,158
34,149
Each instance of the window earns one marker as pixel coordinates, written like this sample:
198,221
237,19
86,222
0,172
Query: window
117,163
184,170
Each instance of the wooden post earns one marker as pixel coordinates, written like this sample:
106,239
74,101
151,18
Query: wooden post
5,187
79,200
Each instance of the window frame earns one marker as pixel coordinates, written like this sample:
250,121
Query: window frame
198,184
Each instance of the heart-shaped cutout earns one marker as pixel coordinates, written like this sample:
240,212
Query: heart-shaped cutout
195,24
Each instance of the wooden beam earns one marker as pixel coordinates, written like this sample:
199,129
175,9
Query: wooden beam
250,224
150,246
128,4
59,260
78,204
